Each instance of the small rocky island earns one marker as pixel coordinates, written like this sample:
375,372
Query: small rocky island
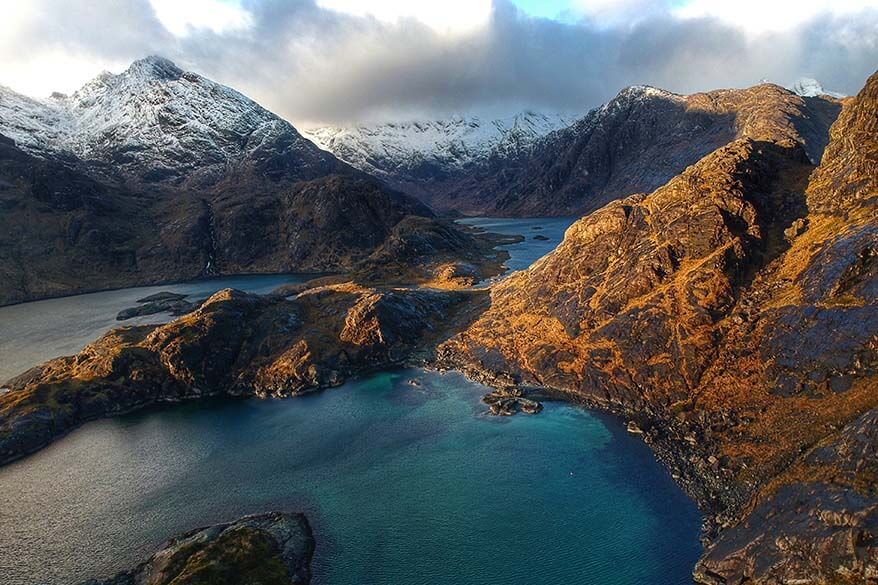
268,549
510,400
174,304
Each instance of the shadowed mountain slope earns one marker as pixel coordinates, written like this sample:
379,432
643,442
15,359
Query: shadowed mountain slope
158,174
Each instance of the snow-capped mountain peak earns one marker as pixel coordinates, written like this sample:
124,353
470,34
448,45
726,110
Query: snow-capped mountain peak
808,87
154,120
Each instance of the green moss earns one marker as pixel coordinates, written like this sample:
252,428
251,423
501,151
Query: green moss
242,556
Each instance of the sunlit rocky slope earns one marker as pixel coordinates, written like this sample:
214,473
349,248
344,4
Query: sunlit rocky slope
733,315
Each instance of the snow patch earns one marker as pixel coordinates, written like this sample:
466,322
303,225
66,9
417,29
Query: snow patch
808,87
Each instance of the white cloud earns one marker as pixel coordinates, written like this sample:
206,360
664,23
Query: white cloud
312,64
612,13
181,17
760,16
68,72
444,15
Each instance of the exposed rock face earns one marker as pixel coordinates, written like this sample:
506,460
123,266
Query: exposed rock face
157,175
321,225
269,549
737,322
819,529
847,179
63,231
235,343
632,296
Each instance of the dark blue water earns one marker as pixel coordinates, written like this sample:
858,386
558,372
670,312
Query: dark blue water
528,251
404,485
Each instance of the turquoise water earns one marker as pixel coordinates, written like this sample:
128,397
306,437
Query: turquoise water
404,485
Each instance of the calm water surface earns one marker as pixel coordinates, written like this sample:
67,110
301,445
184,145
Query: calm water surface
404,485
525,253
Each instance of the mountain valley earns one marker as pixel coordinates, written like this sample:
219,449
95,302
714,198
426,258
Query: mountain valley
719,291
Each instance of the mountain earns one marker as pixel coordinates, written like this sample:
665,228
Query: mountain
808,87
159,174
424,157
732,316
633,144
155,122
637,142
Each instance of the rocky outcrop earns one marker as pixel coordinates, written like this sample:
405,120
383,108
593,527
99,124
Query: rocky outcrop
847,180
234,344
163,302
632,297
269,549
820,528
734,320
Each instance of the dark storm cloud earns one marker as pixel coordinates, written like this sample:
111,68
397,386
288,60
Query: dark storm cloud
315,65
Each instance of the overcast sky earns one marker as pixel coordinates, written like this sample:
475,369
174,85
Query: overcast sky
345,61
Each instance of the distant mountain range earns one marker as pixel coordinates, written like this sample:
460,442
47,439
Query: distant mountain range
420,156
161,174
537,164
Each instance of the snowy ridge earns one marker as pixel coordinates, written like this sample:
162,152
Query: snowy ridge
807,87
152,119
400,148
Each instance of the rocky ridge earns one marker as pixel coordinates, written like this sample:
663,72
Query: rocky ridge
633,144
235,344
269,549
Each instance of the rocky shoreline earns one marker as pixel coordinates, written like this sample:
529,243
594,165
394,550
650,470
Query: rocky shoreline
734,321
706,482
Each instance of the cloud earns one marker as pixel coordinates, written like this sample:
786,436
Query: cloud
336,62
446,16
181,18
759,16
